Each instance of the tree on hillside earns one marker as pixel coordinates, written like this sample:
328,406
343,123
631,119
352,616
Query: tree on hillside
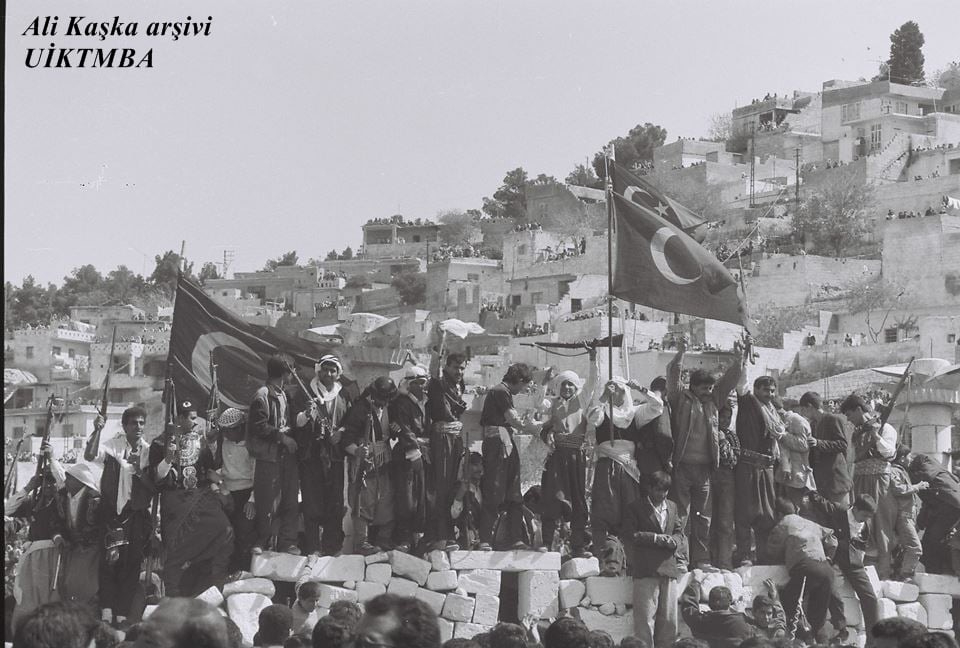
209,271
332,255
164,275
634,149
834,216
946,77
706,200
347,254
876,298
774,320
123,285
286,259
583,176
905,64
510,200
29,304
412,287
456,227
721,127
358,281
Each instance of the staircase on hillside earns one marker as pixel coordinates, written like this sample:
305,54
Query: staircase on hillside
888,164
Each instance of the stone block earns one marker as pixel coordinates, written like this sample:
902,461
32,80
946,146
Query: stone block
571,592
338,569
479,581
852,612
401,586
244,610
255,585
538,594
433,599
439,560
871,572
442,581
279,566
747,595
469,630
211,595
888,608
899,592
937,584
620,608
330,593
754,575
379,573
379,557
607,609
618,626
938,610
148,610
350,584
511,561
610,589
416,569
913,611
458,608
580,568
486,610
367,590
446,629
709,580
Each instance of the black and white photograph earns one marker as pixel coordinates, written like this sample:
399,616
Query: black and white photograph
481,324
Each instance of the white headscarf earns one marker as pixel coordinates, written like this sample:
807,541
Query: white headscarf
413,372
567,376
326,395
622,414
86,474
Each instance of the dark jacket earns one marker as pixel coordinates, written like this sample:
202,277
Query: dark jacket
831,471
413,424
944,485
655,444
719,628
645,558
834,516
263,425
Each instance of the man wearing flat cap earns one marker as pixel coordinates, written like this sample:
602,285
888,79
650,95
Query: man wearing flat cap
366,441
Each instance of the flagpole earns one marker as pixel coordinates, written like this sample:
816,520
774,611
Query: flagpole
609,190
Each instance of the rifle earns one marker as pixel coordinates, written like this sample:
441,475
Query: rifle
888,408
213,409
93,445
42,460
10,484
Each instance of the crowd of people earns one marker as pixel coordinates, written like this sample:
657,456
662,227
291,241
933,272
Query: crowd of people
693,471
460,250
906,214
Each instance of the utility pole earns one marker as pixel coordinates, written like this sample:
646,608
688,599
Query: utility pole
753,163
796,187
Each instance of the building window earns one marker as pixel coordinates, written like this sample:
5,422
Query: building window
71,353
514,300
876,135
39,428
576,305
890,335
902,108
951,338
29,353
416,238
473,276
521,250
850,112
68,429
536,297
57,351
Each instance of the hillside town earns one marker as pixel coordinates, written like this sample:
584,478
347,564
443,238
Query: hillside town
446,411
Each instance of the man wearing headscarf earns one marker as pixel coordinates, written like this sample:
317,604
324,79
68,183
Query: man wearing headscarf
444,407
616,477
194,528
236,482
80,501
318,434
500,484
696,445
565,472
366,441
408,425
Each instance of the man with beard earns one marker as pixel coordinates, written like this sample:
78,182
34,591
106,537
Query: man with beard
366,441
444,407
125,513
193,525
408,425
318,434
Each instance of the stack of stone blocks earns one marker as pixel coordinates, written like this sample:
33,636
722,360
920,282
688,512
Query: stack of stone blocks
463,588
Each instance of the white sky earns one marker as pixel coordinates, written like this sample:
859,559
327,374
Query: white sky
295,122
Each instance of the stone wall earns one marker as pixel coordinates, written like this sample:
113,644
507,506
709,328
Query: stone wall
470,591
922,255
790,280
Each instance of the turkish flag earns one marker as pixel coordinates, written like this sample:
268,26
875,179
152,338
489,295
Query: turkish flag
240,350
658,265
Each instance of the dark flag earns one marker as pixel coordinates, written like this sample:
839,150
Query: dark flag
240,350
671,210
659,265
